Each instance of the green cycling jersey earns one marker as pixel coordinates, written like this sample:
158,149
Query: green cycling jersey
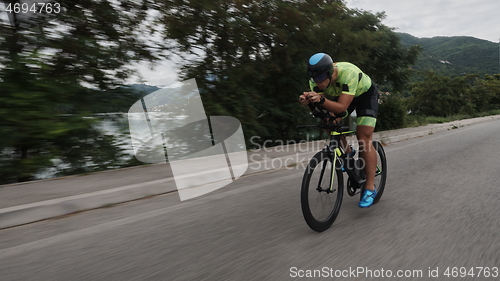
350,80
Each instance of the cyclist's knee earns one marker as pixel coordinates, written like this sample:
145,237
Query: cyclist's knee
364,132
364,135
364,144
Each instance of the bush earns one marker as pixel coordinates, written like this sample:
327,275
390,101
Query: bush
391,113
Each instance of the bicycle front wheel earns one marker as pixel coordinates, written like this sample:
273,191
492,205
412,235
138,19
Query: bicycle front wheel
322,191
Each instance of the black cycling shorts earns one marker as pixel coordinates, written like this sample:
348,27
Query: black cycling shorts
366,104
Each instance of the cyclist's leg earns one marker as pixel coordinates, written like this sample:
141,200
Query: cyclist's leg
366,110
343,140
345,145
367,152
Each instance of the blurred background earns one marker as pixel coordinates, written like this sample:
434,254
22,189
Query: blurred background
69,75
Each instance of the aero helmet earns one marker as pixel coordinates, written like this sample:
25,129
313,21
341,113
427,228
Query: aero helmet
320,67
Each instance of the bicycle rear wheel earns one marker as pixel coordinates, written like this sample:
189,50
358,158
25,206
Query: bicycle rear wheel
321,192
381,172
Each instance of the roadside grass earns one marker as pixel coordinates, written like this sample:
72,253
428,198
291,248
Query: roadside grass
416,121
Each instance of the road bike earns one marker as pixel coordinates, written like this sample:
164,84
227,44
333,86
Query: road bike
323,182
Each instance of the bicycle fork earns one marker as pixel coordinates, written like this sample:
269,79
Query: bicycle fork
319,188
336,153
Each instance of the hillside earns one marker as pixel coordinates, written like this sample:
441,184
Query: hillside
142,89
453,56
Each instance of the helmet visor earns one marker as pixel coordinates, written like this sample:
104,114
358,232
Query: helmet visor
320,78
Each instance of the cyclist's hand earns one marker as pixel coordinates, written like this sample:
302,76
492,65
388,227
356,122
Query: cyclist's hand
303,99
313,96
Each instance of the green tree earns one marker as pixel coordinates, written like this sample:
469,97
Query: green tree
392,113
491,88
479,97
250,56
438,96
53,71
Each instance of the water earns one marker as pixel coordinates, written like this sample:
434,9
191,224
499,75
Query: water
113,124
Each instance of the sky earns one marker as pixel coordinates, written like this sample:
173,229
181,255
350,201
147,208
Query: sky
430,18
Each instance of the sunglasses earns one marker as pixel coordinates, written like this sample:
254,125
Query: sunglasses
320,78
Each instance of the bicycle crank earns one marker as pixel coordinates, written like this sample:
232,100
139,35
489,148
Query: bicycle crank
352,188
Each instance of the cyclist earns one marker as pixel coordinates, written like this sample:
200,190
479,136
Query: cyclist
348,88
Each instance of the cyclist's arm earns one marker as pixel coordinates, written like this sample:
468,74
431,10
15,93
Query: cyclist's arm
336,107
340,106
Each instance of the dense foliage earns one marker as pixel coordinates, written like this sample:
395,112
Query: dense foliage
248,58
392,113
442,97
251,55
54,69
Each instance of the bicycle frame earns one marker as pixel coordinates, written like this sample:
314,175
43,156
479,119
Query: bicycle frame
338,153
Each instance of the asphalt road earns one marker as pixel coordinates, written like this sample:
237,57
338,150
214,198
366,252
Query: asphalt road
440,210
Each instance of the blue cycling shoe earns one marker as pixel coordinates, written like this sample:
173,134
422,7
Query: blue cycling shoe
367,198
